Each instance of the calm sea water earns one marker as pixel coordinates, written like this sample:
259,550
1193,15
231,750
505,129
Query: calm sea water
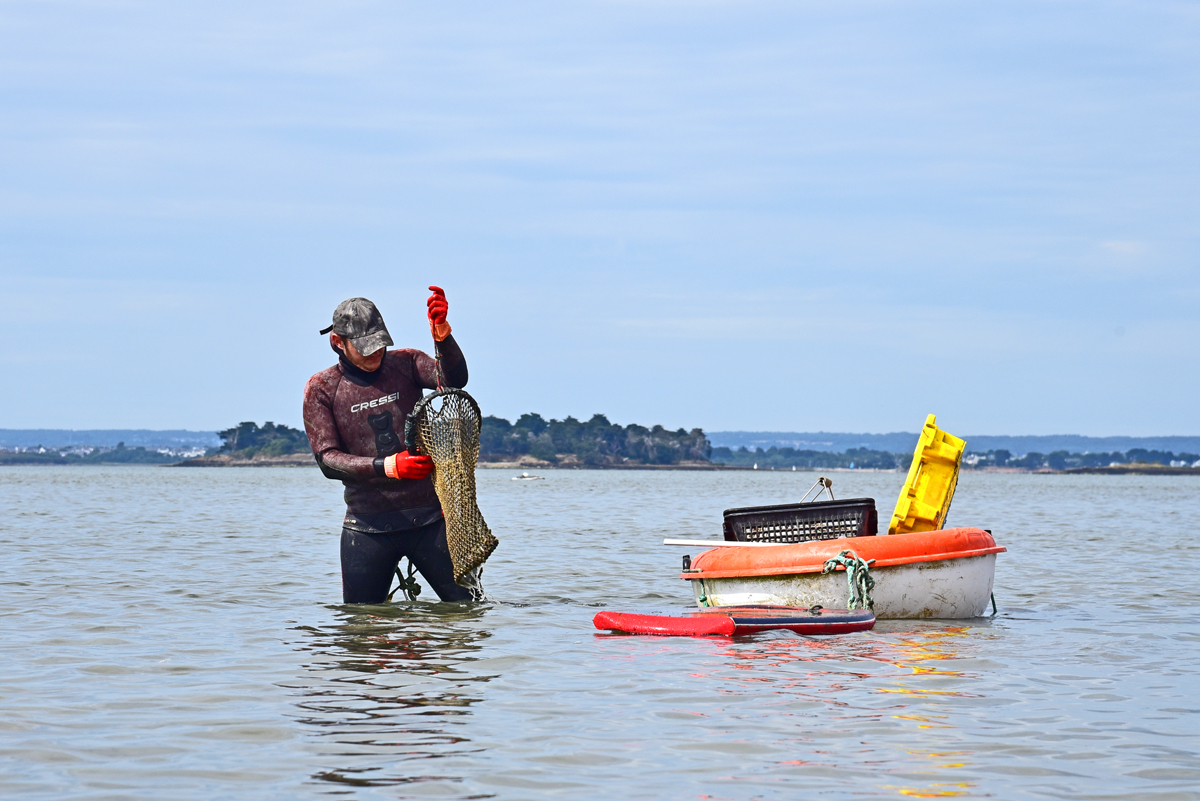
178,634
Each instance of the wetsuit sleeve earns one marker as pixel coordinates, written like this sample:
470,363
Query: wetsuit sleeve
321,427
344,466
454,366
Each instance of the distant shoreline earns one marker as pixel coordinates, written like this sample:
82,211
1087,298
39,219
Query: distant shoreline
1133,469
693,466
307,460
224,460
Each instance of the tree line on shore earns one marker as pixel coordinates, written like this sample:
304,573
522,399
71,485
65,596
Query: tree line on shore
786,458
597,442
89,455
247,440
865,458
1063,460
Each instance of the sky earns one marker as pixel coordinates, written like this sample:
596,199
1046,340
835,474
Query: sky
785,216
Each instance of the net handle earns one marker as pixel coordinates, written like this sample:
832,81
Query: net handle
410,423
437,365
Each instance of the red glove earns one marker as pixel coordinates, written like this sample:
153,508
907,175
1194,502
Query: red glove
437,313
405,465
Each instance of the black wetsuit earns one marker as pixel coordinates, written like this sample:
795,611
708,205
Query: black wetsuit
354,419
372,546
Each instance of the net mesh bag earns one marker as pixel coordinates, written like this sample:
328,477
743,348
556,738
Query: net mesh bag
445,426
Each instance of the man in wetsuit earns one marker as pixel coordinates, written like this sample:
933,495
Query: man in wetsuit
354,413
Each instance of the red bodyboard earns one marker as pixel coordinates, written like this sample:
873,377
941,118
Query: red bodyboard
669,625
733,620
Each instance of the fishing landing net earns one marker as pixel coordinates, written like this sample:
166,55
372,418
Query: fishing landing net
445,426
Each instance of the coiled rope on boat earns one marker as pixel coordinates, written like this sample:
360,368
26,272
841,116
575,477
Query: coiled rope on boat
858,576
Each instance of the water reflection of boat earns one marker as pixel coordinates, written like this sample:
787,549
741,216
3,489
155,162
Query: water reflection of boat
927,574
834,675
527,477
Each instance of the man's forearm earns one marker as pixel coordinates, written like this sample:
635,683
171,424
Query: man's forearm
454,364
343,466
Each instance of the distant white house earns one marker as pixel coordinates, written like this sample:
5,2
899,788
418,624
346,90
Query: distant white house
183,453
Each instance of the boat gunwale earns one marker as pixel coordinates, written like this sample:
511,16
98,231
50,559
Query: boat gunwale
809,563
795,570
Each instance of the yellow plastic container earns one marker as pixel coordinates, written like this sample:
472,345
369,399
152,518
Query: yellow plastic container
925,500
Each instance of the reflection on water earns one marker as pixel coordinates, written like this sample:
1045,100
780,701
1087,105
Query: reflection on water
838,691
390,687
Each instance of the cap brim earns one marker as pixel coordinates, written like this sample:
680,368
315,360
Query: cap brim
366,345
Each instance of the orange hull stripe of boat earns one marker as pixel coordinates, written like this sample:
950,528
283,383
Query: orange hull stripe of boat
810,557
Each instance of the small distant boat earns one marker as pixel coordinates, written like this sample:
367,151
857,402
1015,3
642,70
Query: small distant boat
527,477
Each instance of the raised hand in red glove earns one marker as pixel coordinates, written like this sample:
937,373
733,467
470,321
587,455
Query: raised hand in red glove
406,465
437,313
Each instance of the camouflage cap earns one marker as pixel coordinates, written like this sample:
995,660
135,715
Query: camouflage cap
359,321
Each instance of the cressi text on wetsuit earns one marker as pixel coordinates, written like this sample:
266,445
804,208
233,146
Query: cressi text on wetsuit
354,419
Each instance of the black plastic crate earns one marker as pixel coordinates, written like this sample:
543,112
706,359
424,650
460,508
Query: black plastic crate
803,522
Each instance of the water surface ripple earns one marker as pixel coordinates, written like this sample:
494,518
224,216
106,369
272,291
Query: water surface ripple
177,634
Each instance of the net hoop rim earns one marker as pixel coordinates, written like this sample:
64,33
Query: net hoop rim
410,424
